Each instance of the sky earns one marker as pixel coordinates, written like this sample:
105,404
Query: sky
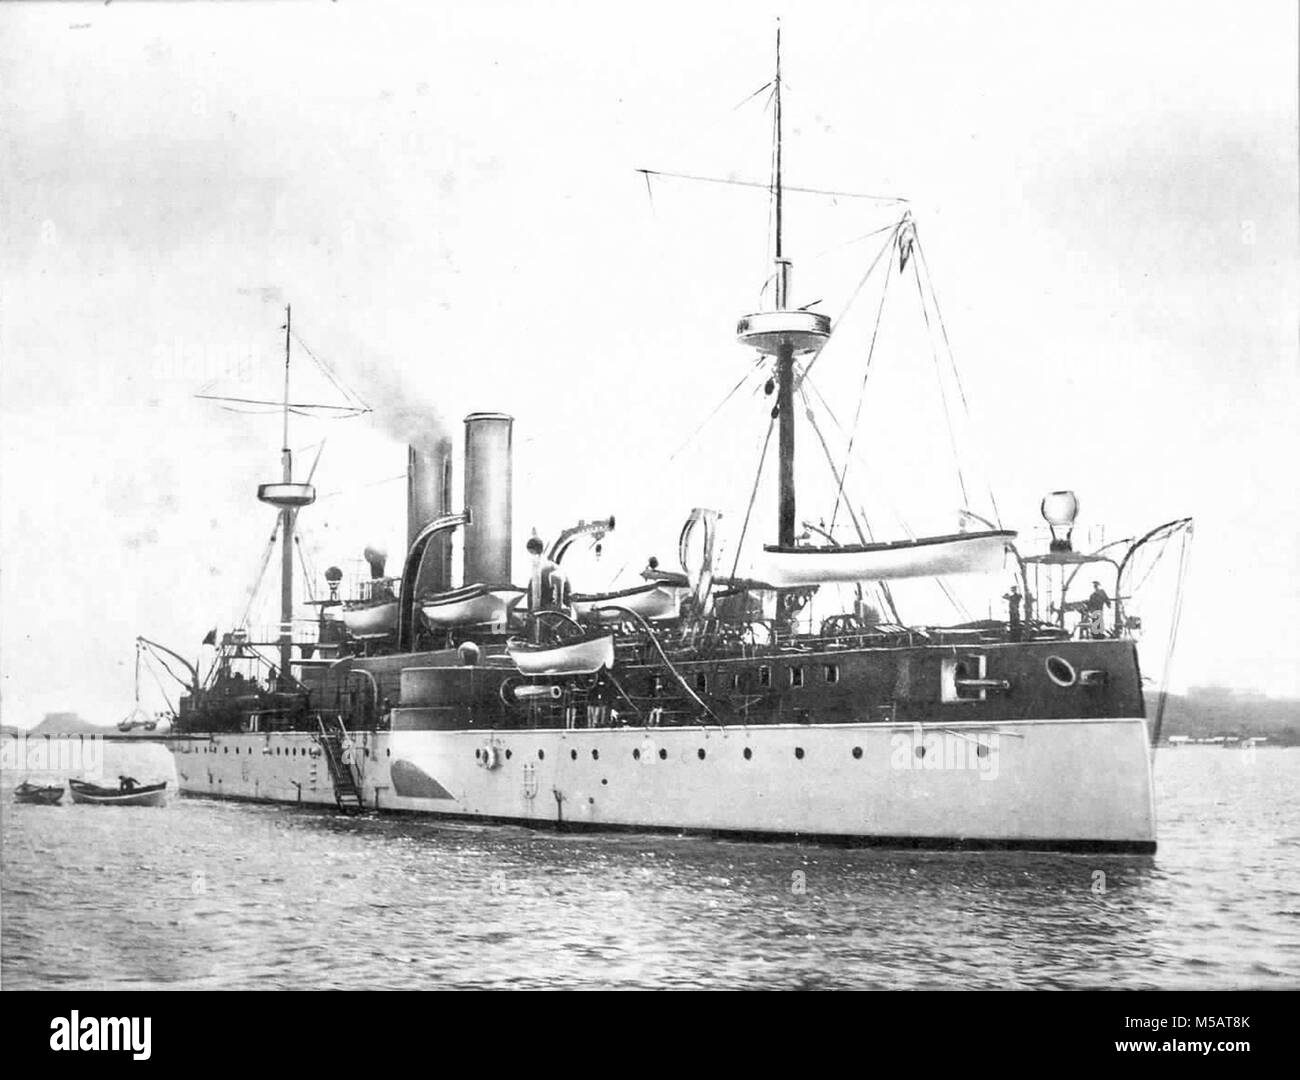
447,194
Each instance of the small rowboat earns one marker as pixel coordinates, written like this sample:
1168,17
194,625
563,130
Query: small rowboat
651,601
124,795
472,605
584,657
48,795
370,619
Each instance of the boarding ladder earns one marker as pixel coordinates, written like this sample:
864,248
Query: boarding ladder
337,746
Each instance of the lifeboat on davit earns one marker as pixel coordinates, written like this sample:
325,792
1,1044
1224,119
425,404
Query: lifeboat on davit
472,605
653,600
585,656
927,556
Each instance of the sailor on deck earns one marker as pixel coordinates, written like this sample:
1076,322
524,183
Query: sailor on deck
548,588
1094,608
1013,599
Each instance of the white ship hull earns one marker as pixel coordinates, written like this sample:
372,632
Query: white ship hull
1049,784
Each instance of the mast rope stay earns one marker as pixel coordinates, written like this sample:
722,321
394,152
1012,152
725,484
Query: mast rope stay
862,394
766,186
924,263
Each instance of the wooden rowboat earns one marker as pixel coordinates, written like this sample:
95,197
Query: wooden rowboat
45,795
126,794
584,657
651,601
472,605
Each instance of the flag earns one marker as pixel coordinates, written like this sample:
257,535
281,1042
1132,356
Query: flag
210,638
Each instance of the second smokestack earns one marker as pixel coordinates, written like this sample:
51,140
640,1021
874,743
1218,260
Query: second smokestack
488,495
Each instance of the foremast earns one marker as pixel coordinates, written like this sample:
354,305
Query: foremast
288,497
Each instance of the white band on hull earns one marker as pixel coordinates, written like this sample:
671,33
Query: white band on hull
1049,783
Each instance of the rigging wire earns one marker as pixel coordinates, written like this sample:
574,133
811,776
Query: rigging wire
952,358
862,393
943,394
753,495
761,184
854,296
261,573
864,535
328,371
1176,617
716,409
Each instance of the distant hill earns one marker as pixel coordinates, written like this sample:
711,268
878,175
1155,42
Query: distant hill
1206,711
66,723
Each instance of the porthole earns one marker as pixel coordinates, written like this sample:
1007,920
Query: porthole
509,754
798,752
595,755
636,755
541,755
700,753
857,752
573,755
748,753
1060,671
663,754
920,751
603,781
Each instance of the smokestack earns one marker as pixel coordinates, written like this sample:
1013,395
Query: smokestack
428,496
488,495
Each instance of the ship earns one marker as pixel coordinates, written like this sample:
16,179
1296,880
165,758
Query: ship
700,699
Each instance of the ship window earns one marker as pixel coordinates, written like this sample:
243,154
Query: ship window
663,754
636,755
748,753
700,753
541,755
1060,671
701,682
573,755
225,749
595,755
509,755
857,752
798,752
764,676
796,676
831,672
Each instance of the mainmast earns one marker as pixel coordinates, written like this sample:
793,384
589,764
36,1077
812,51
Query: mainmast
783,334
286,518
289,498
